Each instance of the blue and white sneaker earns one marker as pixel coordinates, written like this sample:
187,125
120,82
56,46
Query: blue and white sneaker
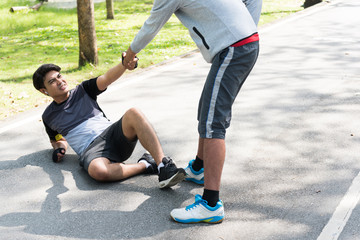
198,212
194,176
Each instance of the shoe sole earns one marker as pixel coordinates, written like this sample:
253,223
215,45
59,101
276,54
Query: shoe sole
200,182
175,179
207,220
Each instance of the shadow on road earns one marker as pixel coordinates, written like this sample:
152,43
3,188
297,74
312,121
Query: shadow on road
100,221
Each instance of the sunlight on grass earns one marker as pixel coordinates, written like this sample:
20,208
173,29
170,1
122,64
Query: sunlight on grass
31,38
273,10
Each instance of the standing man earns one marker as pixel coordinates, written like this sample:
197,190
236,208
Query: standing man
225,32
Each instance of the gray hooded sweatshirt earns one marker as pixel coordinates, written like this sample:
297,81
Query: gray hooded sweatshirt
212,24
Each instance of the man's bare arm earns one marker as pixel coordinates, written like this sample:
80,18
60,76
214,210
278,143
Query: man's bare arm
113,74
110,76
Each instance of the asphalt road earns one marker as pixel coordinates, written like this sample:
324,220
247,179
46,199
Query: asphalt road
292,164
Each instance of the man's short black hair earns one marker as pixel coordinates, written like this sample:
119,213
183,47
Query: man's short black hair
39,74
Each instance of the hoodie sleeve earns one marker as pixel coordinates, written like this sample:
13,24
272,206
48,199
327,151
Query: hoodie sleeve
159,15
254,7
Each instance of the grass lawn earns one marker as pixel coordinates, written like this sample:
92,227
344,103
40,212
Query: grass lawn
31,38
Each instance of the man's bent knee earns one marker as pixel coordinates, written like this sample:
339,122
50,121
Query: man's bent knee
99,171
132,119
134,113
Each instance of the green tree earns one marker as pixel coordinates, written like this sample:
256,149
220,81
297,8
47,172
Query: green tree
87,35
110,9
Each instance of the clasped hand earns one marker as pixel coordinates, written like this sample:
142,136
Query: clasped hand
129,60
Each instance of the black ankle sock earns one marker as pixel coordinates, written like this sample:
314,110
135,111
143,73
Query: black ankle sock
211,196
197,164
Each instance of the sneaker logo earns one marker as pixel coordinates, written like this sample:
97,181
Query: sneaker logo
208,220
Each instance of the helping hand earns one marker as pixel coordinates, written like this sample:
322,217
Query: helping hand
129,60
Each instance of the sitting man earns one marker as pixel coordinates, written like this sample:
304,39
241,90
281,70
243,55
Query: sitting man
75,118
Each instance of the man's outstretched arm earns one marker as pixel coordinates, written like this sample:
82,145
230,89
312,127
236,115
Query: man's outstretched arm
112,75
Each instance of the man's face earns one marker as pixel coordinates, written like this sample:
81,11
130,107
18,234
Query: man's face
55,84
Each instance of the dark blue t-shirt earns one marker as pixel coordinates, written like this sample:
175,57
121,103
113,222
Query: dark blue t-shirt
79,119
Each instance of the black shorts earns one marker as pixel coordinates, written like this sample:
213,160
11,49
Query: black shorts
229,70
110,144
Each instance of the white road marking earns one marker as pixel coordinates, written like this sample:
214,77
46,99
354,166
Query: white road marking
19,123
342,213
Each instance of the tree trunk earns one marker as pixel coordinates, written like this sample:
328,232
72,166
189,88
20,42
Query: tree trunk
37,6
110,9
87,34
309,3
15,9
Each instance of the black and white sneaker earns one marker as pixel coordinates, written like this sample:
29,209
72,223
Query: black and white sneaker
152,169
170,175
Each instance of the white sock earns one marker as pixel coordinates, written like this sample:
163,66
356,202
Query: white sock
146,163
160,166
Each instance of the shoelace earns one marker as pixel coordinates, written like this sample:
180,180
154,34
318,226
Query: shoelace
196,203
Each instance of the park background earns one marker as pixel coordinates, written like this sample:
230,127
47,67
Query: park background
30,38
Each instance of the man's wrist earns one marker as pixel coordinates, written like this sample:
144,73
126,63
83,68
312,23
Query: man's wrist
55,153
123,58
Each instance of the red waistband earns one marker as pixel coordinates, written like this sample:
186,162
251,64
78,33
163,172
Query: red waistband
252,38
